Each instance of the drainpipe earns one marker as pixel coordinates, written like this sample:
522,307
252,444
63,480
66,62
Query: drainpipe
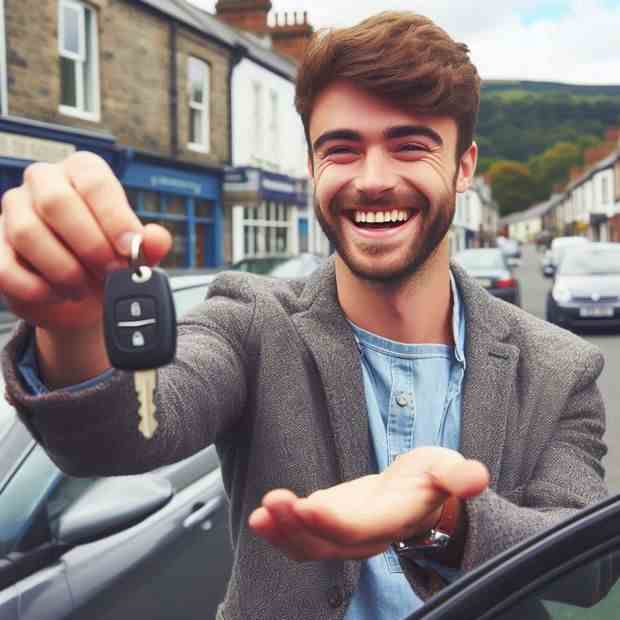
173,93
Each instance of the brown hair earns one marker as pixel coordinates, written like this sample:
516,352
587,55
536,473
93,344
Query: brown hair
399,56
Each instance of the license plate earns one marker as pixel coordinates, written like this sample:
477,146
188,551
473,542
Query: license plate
484,282
596,311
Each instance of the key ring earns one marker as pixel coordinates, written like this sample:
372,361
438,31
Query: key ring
142,273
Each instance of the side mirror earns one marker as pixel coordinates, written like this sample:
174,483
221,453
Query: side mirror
111,505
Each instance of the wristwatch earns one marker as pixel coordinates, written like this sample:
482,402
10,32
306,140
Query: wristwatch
435,539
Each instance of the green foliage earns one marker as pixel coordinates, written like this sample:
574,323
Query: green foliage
513,186
544,127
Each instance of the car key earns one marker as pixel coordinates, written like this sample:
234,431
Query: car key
139,322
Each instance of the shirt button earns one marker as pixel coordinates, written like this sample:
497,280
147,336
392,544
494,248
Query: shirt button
401,399
335,597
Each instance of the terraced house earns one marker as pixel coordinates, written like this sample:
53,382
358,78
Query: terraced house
194,116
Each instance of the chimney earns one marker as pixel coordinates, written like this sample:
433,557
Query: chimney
250,15
291,34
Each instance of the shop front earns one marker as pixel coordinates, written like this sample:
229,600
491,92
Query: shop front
184,199
266,214
24,141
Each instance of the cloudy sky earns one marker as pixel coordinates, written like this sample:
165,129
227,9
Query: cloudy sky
576,41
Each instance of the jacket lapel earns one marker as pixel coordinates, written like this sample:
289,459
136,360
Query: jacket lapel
490,376
329,338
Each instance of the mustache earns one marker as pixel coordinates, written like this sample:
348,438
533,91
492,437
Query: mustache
345,200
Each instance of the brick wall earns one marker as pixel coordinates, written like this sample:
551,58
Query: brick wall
134,75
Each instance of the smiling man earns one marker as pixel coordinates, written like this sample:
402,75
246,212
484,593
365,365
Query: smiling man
384,425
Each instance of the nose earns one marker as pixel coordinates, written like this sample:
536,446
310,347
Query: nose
375,177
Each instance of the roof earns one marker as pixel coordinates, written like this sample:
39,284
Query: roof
606,162
208,24
538,210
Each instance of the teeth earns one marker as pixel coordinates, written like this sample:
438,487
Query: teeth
396,215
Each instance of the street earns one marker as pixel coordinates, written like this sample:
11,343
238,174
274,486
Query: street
534,290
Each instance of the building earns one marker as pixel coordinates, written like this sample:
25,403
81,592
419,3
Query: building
527,225
148,85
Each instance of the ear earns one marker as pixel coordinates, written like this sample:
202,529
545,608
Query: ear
467,168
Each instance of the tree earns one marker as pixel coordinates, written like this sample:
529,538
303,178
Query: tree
513,186
554,165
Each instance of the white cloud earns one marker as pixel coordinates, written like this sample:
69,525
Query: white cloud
581,47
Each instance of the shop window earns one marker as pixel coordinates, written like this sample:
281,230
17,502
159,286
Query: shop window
268,232
177,256
78,48
175,205
202,208
198,87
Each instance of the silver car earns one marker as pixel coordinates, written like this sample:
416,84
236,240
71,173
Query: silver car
122,547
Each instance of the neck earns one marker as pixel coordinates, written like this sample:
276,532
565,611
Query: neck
416,310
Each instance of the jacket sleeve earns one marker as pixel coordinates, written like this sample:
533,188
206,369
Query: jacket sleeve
199,396
567,477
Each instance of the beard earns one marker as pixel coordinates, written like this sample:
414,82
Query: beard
434,223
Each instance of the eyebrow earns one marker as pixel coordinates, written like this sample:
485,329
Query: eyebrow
399,131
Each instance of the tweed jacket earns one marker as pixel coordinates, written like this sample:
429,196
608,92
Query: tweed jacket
269,371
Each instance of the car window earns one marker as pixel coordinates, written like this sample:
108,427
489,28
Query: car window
603,262
585,592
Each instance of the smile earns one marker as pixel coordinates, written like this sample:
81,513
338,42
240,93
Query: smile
386,218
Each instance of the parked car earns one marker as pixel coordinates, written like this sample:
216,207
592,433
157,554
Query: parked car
546,264
511,250
490,268
298,266
586,290
152,546
559,247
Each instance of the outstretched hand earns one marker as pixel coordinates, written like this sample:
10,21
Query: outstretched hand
362,517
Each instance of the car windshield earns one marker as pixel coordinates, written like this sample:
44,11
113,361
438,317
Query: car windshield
592,262
481,259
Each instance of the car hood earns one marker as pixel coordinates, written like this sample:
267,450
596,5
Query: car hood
585,286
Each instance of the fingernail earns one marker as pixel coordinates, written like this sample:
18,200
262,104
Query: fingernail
123,243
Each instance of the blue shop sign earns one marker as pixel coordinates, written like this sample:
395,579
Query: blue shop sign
281,188
172,181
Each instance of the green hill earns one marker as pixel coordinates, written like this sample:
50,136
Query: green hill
519,119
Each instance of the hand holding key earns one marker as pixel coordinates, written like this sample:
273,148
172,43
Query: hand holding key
61,232
140,328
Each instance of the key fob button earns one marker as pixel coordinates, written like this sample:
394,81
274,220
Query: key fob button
135,309
137,338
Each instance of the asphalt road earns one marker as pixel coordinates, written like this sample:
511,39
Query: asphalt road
534,288
534,291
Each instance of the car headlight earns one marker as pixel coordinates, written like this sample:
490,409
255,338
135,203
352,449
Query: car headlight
561,294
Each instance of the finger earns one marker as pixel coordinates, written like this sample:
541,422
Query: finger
102,192
18,283
63,210
34,242
467,478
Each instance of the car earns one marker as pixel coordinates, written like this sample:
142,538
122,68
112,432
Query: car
298,266
568,572
560,246
546,264
586,289
511,250
490,268
140,546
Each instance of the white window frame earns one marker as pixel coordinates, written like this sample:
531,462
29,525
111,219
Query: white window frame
203,108
90,56
4,96
281,217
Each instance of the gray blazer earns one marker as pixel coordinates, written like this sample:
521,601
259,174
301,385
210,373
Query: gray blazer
269,370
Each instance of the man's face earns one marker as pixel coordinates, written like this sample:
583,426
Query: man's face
385,181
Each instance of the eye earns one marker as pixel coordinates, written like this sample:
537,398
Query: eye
412,147
339,150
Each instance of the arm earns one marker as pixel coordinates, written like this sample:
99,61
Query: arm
93,432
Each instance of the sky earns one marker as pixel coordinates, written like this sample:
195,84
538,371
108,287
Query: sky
573,41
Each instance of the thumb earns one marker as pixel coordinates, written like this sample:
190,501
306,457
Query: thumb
464,478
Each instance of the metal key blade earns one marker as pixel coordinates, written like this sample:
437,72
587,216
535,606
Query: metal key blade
145,382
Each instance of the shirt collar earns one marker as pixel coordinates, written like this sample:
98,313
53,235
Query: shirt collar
458,322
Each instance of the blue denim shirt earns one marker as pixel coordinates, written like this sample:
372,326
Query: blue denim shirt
413,394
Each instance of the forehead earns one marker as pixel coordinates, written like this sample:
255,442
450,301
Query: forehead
343,105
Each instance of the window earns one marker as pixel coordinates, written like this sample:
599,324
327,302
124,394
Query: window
77,42
274,144
258,120
267,232
198,87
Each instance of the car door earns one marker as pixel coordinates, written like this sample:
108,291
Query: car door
568,573
121,547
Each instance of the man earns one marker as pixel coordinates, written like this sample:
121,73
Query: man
351,412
